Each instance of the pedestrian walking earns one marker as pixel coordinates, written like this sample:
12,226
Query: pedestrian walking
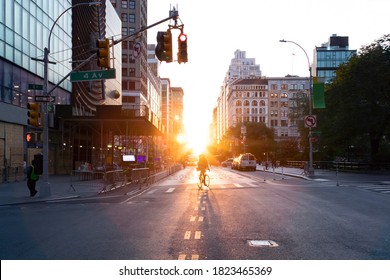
32,178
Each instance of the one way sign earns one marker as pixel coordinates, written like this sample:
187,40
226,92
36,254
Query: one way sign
42,98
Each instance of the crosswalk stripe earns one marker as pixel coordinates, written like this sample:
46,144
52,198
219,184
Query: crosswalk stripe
170,190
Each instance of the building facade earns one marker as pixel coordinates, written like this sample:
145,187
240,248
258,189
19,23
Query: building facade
24,32
240,67
330,56
270,100
133,14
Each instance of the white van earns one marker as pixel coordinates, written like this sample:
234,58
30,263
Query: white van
247,162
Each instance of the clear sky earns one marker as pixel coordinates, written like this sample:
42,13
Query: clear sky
216,28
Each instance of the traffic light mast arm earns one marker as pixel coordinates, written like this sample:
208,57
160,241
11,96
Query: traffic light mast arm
173,15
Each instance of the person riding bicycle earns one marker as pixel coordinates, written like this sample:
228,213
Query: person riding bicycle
203,164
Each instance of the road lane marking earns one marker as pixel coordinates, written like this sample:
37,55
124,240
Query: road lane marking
170,190
187,235
238,185
198,234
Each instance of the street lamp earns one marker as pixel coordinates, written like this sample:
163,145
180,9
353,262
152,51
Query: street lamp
45,188
311,168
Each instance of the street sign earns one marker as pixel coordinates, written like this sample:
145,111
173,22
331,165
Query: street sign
35,87
42,98
310,121
92,75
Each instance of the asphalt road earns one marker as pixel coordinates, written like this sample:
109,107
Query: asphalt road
244,215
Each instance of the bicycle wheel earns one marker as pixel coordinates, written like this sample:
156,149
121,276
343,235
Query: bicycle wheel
207,180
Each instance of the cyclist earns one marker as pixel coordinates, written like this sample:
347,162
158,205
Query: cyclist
203,164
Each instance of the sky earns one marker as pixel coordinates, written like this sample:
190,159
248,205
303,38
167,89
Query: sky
217,28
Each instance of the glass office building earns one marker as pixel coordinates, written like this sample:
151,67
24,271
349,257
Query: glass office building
330,56
24,33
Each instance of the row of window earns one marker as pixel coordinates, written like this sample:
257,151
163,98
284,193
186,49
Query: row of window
261,94
287,86
126,4
261,103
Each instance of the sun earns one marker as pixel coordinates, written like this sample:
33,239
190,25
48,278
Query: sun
197,136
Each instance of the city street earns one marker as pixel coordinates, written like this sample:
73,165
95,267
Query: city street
244,215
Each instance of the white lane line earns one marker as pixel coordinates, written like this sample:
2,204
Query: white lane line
238,185
187,235
198,234
170,190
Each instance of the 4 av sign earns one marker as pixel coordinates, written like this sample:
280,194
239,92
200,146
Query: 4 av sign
92,75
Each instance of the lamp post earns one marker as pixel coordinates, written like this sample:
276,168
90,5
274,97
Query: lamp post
44,190
311,168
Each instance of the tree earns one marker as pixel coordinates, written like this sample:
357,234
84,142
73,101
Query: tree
358,103
259,139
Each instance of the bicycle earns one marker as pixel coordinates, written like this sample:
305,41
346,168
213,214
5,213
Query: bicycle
204,179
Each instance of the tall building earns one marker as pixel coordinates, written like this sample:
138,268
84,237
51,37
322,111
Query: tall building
240,67
330,56
133,14
89,24
24,32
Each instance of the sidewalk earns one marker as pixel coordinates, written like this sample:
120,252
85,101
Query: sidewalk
331,175
60,186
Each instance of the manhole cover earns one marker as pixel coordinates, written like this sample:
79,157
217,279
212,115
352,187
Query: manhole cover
262,243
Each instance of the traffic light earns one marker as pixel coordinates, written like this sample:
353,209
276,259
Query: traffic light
103,53
163,49
30,137
33,114
182,48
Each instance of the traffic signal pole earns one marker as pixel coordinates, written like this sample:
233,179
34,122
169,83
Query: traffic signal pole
45,189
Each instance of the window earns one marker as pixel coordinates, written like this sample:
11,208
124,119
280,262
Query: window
274,87
262,103
246,103
238,103
124,31
254,103
132,5
132,18
131,72
124,17
284,87
124,4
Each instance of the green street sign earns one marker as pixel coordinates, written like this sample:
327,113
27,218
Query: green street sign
35,87
92,75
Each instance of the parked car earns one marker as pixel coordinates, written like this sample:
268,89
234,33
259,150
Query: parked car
246,161
227,163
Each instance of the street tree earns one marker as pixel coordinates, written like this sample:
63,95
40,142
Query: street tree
358,104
